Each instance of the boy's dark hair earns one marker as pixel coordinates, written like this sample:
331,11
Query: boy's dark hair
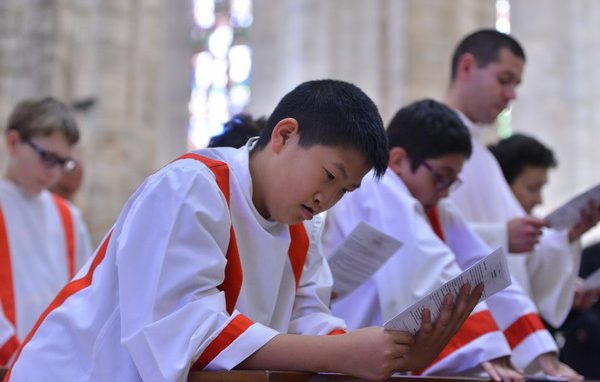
43,117
485,46
428,129
238,130
518,151
333,113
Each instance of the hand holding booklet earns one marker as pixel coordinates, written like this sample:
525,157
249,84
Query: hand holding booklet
359,256
491,271
567,215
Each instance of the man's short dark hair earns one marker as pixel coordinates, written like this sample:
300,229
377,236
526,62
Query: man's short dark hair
485,45
333,113
519,151
238,130
43,117
428,129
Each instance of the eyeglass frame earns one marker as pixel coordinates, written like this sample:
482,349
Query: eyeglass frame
442,182
49,159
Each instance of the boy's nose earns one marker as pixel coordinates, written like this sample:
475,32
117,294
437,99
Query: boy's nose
323,200
510,93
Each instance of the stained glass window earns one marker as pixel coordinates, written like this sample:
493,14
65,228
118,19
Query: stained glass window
222,66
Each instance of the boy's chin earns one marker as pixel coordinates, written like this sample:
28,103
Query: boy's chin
295,221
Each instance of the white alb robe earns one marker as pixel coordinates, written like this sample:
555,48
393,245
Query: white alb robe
423,263
548,273
154,307
38,250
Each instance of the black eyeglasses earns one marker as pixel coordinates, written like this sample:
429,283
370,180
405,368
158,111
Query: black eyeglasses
50,159
443,182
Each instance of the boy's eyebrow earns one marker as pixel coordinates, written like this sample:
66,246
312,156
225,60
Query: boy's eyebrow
342,169
447,169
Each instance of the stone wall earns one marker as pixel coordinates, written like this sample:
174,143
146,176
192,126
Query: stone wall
399,51
133,59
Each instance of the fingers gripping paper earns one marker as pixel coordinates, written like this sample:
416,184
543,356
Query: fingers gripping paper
568,214
491,271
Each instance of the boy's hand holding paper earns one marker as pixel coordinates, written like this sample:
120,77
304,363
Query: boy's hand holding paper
491,271
570,214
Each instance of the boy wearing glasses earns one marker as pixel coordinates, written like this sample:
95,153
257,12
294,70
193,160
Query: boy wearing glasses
43,239
428,145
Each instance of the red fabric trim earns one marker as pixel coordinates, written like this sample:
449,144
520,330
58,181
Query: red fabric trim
475,326
436,225
230,333
8,349
335,332
70,289
523,327
298,250
67,221
7,296
232,283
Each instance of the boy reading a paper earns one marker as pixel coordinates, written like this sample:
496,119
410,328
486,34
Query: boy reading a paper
428,145
209,266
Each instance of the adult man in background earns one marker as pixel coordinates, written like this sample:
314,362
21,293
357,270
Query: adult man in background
487,68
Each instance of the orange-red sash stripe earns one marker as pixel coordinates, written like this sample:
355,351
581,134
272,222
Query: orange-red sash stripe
298,249
233,330
69,229
434,220
8,349
6,282
232,283
521,328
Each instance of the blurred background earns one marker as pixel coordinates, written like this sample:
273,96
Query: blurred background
150,79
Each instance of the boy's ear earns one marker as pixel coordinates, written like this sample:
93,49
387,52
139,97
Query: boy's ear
13,139
466,64
282,132
397,158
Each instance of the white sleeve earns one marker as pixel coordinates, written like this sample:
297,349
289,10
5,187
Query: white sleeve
170,258
311,314
553,268
494,234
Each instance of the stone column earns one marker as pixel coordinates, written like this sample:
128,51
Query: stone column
142,90
396,51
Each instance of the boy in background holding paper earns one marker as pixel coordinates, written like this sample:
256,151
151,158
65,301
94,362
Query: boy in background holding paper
525,162
428,146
